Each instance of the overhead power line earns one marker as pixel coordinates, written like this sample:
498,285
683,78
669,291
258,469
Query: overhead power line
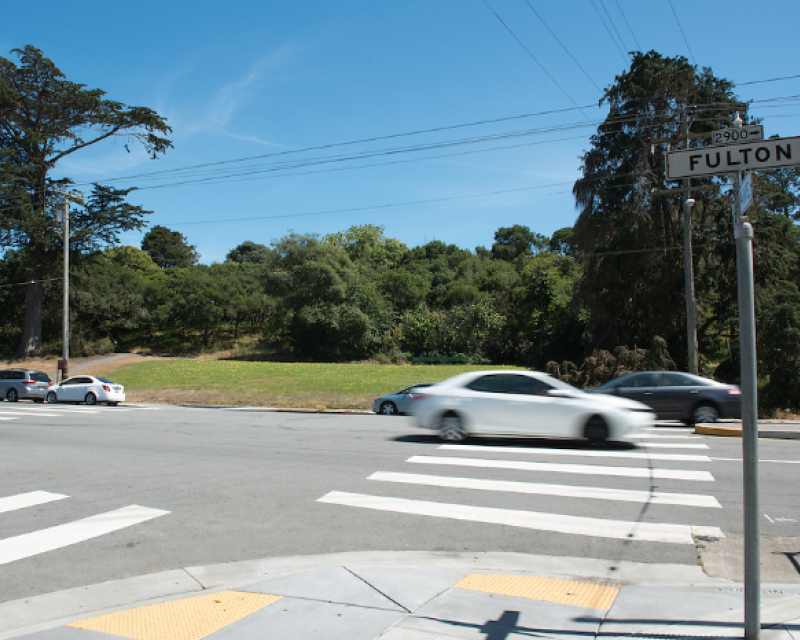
742,84
533,57
625,19
563,46
610,35
680,26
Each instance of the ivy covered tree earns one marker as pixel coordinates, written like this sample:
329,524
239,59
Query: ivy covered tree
44,118
628,232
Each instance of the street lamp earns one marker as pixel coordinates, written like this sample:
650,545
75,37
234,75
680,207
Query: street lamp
78,197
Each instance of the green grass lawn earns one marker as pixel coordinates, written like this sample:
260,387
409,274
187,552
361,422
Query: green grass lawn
288,384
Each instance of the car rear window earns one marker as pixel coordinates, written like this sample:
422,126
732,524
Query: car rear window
40,376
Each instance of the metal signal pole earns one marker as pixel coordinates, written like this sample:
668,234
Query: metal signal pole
743,233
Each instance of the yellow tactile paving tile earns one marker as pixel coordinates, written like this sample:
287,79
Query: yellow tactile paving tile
187,619
556,590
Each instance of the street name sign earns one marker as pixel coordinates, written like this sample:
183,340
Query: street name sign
734,135
733,158
745,193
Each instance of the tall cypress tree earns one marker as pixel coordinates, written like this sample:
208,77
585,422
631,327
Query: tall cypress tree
43,118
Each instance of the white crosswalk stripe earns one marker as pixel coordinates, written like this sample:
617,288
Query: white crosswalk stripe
619,463
595,527
64,535
577,453
56,410
548,467
30,499
565,491
22,414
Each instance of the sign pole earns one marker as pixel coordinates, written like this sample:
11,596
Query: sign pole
743,232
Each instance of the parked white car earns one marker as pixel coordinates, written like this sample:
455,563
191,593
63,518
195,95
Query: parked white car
516,403
86,389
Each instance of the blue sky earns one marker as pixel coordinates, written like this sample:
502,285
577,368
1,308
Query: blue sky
274,98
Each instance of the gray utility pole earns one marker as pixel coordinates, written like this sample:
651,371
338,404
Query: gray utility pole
78,197
743,232
688,273
688,261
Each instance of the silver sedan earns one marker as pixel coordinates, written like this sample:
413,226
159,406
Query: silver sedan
399,401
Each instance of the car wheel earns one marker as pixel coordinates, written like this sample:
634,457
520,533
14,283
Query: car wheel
12,395
90,398
52,398
451,429
388,408
596,431
705,413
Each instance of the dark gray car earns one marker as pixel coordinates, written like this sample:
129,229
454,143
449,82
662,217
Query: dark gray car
19,384
680,396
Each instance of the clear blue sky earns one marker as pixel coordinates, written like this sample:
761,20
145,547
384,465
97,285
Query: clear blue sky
245,79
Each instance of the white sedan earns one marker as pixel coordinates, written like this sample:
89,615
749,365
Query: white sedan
514,403
86,389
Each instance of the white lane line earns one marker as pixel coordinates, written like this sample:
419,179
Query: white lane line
565,491
672,445
760,461
628,472
1,418
20,414
579,453
578,525
30,499
64,535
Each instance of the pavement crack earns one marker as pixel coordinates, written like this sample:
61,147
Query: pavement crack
374,588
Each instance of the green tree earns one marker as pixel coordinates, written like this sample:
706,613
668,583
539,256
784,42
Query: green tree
249,253
326,308
169,248
43,119
515,242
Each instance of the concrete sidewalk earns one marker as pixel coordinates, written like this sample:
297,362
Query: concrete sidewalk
406,596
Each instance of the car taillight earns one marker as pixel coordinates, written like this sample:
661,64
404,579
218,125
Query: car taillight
29,382
106,387
734,392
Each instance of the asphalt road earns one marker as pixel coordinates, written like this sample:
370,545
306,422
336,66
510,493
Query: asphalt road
124,491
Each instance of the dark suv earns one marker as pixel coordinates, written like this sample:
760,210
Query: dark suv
16,384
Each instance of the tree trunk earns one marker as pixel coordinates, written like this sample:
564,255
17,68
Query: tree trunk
32,332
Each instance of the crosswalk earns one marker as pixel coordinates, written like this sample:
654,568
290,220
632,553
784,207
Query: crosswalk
663,460
19,411
64,535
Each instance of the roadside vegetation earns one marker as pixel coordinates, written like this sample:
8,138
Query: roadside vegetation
587,303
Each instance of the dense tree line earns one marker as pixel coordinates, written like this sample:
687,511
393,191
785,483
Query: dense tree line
591,301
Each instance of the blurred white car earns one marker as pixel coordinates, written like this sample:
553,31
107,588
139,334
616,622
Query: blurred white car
515,403
86,389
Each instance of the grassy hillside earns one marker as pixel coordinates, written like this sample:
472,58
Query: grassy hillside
275,384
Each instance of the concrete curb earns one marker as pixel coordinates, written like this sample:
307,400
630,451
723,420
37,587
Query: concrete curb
736,432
